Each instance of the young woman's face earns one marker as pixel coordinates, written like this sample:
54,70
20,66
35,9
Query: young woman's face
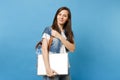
62,17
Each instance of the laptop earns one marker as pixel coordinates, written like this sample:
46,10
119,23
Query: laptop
58,62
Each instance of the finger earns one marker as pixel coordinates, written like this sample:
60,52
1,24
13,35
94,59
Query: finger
50,74
55,73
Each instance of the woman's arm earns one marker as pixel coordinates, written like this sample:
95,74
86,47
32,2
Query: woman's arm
68,45
45,54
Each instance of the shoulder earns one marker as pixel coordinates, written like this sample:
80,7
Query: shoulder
47,30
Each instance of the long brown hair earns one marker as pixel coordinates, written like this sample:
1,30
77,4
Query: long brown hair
67,25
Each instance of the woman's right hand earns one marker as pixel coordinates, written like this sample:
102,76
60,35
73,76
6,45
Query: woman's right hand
51,73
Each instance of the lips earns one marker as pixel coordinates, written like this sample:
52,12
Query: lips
61,20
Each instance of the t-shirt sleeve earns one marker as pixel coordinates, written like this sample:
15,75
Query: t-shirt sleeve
46,33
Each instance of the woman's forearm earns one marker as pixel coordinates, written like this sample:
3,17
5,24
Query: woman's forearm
46,59
45,54
68,45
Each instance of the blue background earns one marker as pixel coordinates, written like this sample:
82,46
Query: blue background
96,26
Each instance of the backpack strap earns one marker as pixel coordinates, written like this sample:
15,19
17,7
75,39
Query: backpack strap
49,43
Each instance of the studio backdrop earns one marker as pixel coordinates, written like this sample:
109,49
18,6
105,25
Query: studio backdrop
96,27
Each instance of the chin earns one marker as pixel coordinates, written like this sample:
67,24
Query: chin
61,23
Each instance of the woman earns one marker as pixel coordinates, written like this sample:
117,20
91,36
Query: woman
63,41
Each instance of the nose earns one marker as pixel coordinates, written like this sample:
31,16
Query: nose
61,16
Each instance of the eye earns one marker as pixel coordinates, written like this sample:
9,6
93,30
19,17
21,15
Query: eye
59,14
65,15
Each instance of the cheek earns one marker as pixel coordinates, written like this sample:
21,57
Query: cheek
58,16
57,19
66,19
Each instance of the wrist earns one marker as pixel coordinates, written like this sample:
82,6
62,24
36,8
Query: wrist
60,37
47,69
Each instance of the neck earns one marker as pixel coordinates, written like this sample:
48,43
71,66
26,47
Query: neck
60,27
